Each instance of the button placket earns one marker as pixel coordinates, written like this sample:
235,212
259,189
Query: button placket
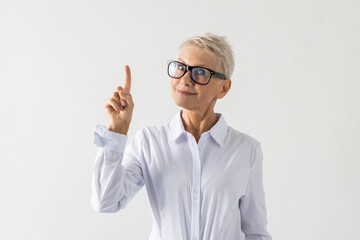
196,177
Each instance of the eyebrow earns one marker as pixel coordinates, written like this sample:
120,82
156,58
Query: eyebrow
194,65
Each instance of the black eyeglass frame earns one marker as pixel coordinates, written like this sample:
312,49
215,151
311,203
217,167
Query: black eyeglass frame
190,68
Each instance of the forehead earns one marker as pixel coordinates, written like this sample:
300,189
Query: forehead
195,56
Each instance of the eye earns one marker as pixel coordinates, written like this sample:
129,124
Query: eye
201,72
181,67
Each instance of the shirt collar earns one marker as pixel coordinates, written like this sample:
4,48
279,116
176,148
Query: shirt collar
218,131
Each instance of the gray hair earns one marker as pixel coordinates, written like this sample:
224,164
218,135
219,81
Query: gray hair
218,45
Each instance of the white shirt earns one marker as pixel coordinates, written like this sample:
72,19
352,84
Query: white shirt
211,190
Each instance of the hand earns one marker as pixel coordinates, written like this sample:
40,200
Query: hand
119,107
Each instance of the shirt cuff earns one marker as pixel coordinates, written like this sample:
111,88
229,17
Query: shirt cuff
108,139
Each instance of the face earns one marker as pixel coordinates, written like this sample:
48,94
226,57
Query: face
202,97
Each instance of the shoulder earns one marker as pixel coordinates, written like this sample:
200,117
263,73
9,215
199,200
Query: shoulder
249,143
246,142
153,132
243,138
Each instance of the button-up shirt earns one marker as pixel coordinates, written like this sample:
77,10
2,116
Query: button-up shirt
210,190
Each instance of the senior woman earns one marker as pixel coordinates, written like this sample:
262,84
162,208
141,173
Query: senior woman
203,177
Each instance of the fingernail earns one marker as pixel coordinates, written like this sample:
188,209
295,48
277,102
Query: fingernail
123,102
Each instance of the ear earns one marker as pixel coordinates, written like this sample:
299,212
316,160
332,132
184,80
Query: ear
224,87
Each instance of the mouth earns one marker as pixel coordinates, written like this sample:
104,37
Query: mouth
185,93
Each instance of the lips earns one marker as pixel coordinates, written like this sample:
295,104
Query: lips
185,93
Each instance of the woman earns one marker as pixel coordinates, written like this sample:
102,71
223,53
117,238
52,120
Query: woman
203,178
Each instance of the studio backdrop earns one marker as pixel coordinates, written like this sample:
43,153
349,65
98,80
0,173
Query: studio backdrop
295,88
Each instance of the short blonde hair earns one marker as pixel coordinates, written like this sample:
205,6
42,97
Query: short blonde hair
218,45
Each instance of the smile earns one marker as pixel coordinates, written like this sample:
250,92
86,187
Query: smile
185,93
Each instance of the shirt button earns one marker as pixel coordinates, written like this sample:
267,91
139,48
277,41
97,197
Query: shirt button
195,204
195,192
195,197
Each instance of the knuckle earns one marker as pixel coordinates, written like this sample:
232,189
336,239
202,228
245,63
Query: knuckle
123,94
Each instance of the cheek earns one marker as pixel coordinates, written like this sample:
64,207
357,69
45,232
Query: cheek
173,86
206,94
173,83
211,88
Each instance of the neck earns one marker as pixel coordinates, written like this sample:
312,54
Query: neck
197,122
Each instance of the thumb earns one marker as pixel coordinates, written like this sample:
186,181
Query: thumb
125,96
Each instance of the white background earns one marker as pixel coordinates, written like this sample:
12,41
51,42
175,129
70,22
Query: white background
295,88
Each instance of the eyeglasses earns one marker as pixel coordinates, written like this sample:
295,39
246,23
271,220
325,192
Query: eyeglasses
200,75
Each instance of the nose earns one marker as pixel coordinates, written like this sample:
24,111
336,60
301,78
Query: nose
187,79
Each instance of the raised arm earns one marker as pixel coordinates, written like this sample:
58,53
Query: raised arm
117,174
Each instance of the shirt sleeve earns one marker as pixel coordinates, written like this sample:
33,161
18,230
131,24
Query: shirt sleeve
117,173
252,204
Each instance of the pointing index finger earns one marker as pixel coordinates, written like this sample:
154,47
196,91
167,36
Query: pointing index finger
127,82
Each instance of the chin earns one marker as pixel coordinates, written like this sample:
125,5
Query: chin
181,104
